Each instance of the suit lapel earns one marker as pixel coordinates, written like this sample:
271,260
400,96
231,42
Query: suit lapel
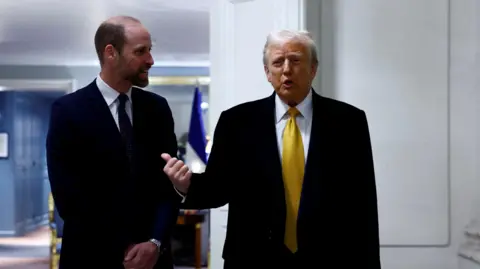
101,115
140,114
267,121
317,163
272,166
317,142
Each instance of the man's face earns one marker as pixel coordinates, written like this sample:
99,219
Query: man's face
135,59
290,70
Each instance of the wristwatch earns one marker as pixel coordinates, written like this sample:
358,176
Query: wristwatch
156,243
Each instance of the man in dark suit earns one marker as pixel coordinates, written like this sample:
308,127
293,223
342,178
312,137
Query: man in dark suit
103,148
295,168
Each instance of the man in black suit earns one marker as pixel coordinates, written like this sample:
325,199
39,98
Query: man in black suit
295,168
103,148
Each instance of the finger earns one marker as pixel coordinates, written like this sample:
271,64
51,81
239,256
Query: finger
171,162
181,172
171,167
138,261
132,253
128,265
166,157
178,166
187,175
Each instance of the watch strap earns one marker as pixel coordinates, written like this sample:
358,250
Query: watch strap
156,243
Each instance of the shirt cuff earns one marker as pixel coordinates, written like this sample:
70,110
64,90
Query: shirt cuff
184,197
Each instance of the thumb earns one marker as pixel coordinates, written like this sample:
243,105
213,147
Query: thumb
132,253
166,157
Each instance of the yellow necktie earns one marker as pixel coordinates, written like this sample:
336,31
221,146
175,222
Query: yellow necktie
293,166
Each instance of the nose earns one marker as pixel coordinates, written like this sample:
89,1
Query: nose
287,66
150,61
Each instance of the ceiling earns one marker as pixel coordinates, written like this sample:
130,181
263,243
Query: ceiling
60,32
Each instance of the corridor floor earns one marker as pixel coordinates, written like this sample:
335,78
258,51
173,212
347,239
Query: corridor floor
28,252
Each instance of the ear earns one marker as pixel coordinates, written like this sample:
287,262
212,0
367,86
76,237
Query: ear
110,52
314,70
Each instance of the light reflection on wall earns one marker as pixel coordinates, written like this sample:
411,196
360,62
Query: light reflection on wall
180,98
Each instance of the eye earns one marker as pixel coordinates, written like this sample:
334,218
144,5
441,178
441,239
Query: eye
277,62
142,50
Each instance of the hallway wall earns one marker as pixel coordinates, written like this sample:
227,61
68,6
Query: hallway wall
23,183
411,65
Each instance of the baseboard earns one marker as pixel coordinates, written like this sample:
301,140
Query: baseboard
37,222
30,225
7,233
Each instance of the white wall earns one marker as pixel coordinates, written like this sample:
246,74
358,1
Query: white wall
393,61
410,64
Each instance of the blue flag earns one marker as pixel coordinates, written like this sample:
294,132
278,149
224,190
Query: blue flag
196,135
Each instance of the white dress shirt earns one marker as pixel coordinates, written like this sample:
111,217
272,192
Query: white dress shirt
304,121
111,97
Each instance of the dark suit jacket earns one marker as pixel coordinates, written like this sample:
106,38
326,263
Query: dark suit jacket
338,212
106,203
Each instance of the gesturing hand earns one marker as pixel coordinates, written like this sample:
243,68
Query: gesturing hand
178,172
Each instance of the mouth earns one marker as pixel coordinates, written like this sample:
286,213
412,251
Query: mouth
287,83
143,73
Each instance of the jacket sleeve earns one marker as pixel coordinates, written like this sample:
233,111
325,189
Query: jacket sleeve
211,189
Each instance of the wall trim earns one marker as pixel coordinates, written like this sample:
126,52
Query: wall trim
178,80
65,85
449,147
7,232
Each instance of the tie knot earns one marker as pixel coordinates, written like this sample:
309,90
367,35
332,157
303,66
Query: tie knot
123,98
293,112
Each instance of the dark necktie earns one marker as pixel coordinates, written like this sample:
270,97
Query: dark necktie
126,129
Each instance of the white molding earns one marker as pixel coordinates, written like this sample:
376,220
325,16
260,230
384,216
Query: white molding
182,64
179,80
294,14
239,1
97,64
470,247
65,85
222,38
164,60
7,232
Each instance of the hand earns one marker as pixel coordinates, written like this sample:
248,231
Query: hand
178,172
141,256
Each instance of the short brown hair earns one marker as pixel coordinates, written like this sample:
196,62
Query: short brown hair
112,32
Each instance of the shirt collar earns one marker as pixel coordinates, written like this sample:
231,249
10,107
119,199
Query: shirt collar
108,93
305,107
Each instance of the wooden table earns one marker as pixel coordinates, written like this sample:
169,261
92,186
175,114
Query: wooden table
194,217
